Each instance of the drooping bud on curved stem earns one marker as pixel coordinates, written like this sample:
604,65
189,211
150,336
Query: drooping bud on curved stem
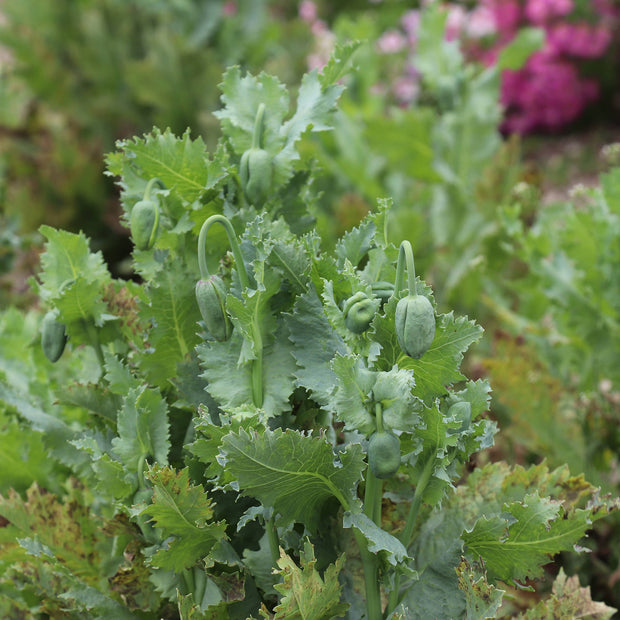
256,165
144,219
234,246
210,294
415,317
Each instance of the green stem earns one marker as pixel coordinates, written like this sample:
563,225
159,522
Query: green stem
371,578
257,366
95,343
406,534
373,494
257,136
141,463
427,472
372,497
274,541
149,187
405,255
232,239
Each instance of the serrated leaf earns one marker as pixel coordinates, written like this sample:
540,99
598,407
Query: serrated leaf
294,473
67,257
63,525
438,367
184,511
173,310
316,343
57,583
230,383
95,398
352,401
24,458
356,243
241,97
180,162
305,594
338,63
378,539
483,599
142,428
516,544
568,600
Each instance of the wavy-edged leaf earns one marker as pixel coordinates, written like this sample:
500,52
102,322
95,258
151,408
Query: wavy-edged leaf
305,594
182,510
293,472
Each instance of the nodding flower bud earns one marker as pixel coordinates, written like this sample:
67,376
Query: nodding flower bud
256,165
384,454
383,290
415,325
359,311
211,297
256,174
144,224
53,337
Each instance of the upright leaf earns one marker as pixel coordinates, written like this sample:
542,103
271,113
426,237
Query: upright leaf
294,473
182,510
304,593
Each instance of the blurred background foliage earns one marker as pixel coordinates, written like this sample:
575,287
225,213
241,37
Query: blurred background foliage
498,223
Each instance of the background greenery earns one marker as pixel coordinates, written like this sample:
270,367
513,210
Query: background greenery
538,269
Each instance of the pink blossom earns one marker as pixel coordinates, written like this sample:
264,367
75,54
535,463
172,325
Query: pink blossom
229,8
581,40
507,14
391,42
480,23
406,89
411,23
456,21
539,12
308,11
546,94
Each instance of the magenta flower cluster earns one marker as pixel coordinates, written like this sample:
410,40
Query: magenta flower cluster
550,91
547,94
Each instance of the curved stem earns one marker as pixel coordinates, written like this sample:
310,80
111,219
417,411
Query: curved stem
274,541
405,536
405,255
232,239
149,187
257,136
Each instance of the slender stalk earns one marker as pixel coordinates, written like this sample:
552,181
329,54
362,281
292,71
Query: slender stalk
95,343
406,534
232,239
274,541
371,578
257,364
405,256
149,187
372,497
373,494
257,136
416,503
